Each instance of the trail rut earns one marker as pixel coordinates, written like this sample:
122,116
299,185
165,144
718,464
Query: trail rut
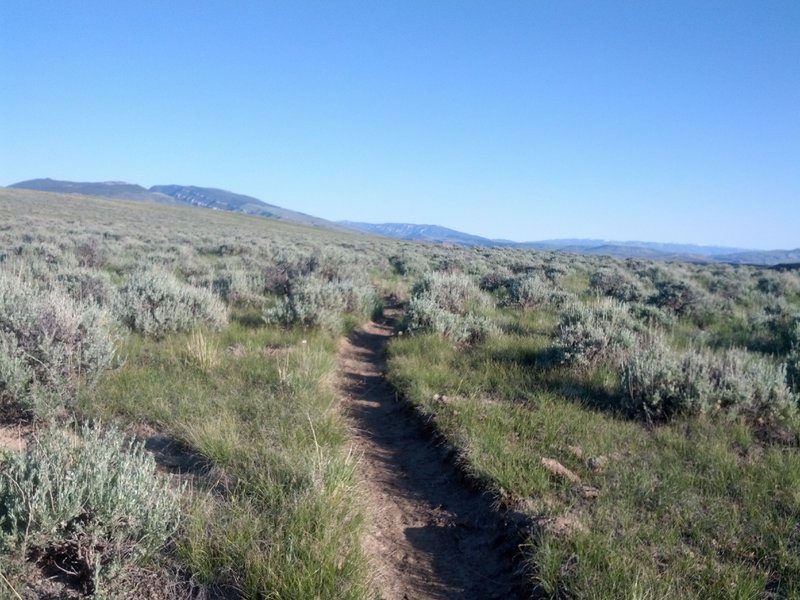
429,535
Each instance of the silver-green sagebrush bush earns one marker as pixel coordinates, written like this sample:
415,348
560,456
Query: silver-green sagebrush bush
424,314
615,282
239,287
154,302
87,285
454,292
88,502
529,291
49,343
659,382
590,333
314,301
448,304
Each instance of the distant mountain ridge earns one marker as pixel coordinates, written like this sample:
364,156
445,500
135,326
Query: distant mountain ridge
420,233
626,249
219,199
106,189
213,198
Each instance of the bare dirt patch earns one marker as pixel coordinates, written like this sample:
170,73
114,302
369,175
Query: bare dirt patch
430,535
14,437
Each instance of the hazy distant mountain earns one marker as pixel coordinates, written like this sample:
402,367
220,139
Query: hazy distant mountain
628,249
763,257
684,249
107,189
420,233
174,194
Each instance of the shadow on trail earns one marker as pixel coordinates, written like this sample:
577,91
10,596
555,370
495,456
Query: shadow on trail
431,534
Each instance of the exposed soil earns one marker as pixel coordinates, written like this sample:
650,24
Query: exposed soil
14,437
430,535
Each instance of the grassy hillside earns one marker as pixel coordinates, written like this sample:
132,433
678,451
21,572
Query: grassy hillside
642,417
182,328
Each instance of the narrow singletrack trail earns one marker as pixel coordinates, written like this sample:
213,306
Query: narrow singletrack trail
429,535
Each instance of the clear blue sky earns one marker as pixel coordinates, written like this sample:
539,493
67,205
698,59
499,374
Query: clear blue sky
673,121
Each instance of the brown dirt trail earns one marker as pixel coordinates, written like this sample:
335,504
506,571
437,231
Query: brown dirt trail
429,534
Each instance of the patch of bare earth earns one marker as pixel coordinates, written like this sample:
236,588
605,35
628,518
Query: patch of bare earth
14,437
430,535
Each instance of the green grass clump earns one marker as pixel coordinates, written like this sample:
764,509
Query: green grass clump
287,524
700,507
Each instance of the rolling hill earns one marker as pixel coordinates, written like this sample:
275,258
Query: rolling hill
219,199
213,198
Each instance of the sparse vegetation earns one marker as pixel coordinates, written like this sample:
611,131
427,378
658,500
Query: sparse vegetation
88,503
669,391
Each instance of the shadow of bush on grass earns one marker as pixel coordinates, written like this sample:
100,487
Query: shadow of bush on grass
596,389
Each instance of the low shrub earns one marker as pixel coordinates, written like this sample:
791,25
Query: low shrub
154,302
313,301
407,263
590,333
616,283
529,291
90,505
772,283
48,344
238,287
728,282
659,382
678,296
651,378
454,292
424,314
87,285
652,315
496,279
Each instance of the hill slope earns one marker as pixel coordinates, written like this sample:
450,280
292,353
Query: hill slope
174,194
118,190
225,200
219,199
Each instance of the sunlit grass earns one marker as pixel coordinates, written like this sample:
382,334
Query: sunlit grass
287,523
697,508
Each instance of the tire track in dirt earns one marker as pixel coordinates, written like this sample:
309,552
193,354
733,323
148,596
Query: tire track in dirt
429,535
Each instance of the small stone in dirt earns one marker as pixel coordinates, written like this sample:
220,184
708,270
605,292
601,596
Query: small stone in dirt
587,492
559,470
598,463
